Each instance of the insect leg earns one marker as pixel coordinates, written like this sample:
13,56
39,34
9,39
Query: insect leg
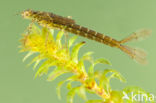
29,28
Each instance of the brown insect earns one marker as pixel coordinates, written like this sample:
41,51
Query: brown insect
51,21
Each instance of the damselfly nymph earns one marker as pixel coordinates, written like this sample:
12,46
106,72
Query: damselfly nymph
53,21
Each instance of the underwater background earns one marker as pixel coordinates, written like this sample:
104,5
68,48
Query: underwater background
117,19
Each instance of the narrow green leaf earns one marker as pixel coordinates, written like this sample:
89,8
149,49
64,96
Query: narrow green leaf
71,94
58,88
86,56
43,69
28,55
36,63
69,85
82,93
58,38
119,76
75,50
104,83
55,73
104,79
71,41
36,60
91,68
102,61
115,74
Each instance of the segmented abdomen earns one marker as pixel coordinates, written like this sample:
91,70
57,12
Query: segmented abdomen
90,34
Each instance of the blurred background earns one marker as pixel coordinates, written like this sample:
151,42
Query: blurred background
116,18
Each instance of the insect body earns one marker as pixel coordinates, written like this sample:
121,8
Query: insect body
51,20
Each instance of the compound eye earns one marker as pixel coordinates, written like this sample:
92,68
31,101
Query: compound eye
26,14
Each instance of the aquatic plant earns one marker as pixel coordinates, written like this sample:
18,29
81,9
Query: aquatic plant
54,58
